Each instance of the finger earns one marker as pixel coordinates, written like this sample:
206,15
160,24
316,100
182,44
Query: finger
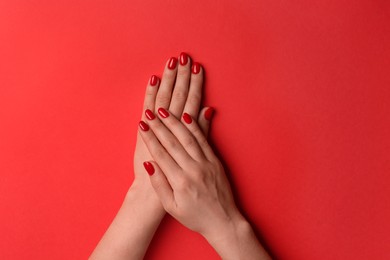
161,185
164,93
151,92
167,138
183,135
204,119
180,91
158,152
195,92
200,137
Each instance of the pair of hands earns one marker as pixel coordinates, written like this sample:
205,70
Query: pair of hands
172,146
185,179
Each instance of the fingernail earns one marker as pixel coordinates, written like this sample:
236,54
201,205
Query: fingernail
149,168
153,80
187,118
183,58
196,68
163,112
143,126
209,113
149,114
172,63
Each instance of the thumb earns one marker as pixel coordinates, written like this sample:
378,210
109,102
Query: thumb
204,119
160,184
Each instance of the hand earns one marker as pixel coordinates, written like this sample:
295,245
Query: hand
141,212
191,183
179,90
186,174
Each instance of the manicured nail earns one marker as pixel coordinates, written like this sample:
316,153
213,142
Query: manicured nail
209,113
153,80
172,63
143,126
163,112
187,118
195,68
149,168
183,58
149,114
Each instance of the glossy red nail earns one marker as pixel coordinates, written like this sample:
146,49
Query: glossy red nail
143,126
195,68
149,114
187,118
183,58
172,63
209,113
149,168
163,112
153,80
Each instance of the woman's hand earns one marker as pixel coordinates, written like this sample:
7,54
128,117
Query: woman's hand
141,212
192,186
179,90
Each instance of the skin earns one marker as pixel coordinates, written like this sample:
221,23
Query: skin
186,179
191,183
132,229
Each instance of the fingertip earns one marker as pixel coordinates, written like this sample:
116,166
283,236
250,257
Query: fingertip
143,126
160,183
184,59
196,68
149,168
204,119
172,63
208,114
154,80
187,118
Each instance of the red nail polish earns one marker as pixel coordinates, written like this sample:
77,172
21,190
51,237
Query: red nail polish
187,118
153,80
149,114
183,58
149,168
163,112
195,68
172,63
143,126
209,113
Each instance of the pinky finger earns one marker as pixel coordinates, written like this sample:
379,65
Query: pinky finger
204,119
161,185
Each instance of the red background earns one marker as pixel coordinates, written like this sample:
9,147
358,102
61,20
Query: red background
301,90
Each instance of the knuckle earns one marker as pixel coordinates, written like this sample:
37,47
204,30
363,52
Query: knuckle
189,142
183,183
169,75
159,153
203,142
171,123
193,100
200,179
196,132
150,92
171,143
180,95
163,100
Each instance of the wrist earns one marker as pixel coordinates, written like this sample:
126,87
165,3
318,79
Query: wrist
237,241
230,230
142,195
